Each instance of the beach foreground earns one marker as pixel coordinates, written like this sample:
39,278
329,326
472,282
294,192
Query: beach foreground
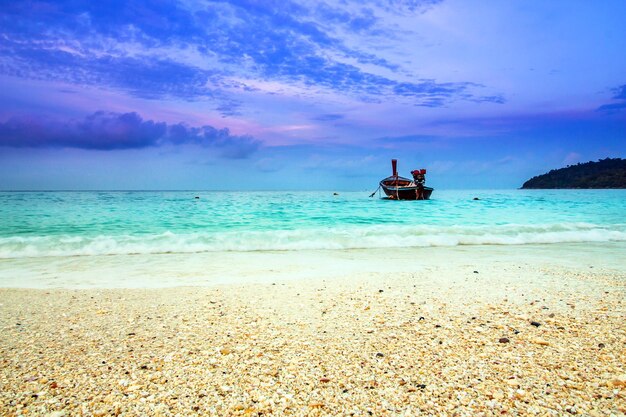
460,338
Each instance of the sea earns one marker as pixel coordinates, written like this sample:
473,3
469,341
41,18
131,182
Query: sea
44,226
37,224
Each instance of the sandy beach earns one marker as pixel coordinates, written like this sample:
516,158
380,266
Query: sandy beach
461,336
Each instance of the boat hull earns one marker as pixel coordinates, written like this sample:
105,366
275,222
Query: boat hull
406,193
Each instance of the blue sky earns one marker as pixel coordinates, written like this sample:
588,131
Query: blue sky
306,94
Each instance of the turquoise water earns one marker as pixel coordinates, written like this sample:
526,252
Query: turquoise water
36,224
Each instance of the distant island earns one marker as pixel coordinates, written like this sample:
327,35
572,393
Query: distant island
606,173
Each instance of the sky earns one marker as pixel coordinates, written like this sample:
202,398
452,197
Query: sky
315,95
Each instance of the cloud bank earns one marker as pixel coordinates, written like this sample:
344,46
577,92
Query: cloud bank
108,131
620,96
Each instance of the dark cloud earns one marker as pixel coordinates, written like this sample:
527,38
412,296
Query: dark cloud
330,117
428,88
612,107
432,102
405,5
230,146
104,131
620,95
362,20
498,99
113,131
409,139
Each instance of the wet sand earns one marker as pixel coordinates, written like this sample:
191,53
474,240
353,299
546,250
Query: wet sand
453,338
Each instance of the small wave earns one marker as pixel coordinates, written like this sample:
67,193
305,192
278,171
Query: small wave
365,237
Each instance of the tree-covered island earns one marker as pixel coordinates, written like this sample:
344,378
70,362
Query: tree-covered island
606,173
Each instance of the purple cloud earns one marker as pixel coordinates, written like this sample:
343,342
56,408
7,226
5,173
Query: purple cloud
112,131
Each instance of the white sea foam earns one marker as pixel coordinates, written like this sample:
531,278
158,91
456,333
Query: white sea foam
364,237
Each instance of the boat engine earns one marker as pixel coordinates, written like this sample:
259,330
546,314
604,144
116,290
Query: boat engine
419,176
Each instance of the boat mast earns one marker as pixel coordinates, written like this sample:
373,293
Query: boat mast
394,167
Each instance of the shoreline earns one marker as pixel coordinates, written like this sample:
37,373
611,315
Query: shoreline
220,268
435,338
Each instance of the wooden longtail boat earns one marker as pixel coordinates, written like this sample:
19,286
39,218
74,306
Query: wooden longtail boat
396,187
